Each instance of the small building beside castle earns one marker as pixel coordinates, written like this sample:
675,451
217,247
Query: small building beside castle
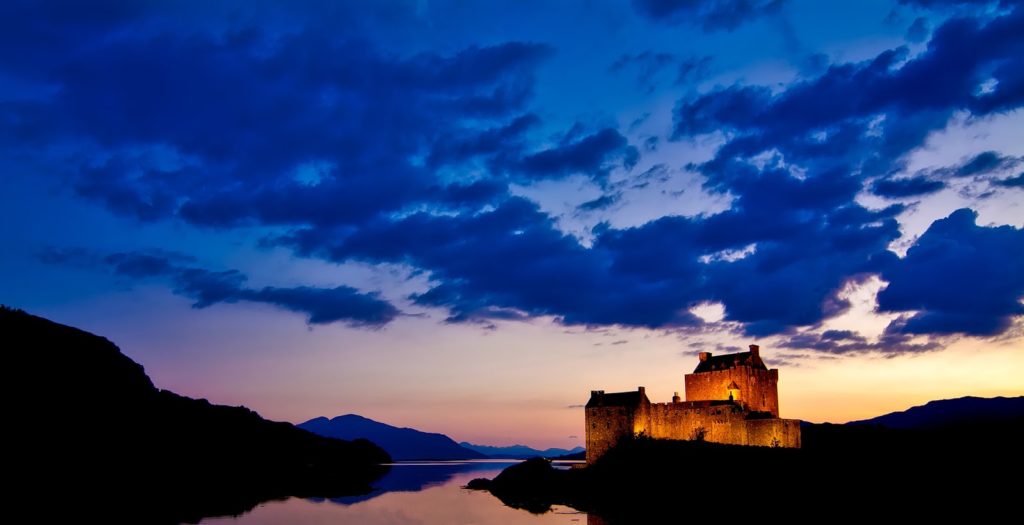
732,399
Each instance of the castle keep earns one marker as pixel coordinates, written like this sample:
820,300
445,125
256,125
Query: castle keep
732,398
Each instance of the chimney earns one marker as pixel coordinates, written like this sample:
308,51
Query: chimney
756,350
704,356
596,393
642,390
676,398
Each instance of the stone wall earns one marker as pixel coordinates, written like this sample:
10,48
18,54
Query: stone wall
717,423
720,424
605,425
774,432
759,390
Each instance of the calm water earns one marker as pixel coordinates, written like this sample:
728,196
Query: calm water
420,493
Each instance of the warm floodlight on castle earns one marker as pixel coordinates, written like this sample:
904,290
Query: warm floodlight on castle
732,399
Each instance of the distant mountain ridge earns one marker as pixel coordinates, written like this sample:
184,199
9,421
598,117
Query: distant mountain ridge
403,444
946,412
520,451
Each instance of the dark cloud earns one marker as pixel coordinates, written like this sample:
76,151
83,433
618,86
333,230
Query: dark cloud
981,167
346,152
593,155
237,121
848,342
800,263
841,335
945,4
795,160
984,163
711,15
1012,182
513,262
959,277
207,287
897,188
327,305
504,140
600,203
865,117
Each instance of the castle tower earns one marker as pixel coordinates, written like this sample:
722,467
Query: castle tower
742,378
613,415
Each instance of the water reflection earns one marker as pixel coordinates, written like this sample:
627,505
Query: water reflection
421,493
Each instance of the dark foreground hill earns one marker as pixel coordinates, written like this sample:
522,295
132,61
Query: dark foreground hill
91,436
843,471
401,443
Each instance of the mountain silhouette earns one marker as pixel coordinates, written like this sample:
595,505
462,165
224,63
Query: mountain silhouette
947,412
88,426
403,444
520,451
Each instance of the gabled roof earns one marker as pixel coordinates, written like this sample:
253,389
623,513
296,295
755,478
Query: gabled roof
617,399
727,361
733,386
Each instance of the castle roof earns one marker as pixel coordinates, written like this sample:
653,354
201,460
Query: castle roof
711,363
598,398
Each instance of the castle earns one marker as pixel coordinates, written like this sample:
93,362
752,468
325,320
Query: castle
732,398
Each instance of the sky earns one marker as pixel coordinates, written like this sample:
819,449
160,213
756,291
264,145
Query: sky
463,216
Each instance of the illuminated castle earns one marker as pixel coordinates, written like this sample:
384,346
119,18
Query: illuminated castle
731,398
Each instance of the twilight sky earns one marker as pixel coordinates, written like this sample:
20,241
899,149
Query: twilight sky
464,216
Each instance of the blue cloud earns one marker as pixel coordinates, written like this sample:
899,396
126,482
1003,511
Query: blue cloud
512,262
959,277
847,342
208,287
593,155
601,203
897,188
1012,182
865,116
327,305
984,163
342,150
208,125
709,14
946,4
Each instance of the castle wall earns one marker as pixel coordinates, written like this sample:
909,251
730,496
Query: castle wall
774,432
759,389
605,425
720,424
